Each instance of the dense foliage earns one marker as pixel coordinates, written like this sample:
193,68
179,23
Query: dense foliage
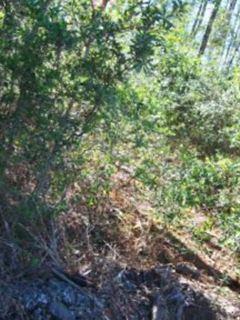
89,87
62,65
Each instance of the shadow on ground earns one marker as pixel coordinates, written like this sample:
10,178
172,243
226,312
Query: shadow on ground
131,294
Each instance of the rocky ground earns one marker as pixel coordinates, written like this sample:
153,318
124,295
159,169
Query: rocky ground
157,294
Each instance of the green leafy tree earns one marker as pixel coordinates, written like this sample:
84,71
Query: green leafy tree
62,63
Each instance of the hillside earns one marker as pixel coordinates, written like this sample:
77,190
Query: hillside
119,159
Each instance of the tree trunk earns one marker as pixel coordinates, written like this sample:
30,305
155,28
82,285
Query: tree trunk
233,40
197,17
233,22
200,18
231,61
208,31
232,5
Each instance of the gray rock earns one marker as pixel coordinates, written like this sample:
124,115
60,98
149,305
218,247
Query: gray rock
33,298
160,309
60,312
130,294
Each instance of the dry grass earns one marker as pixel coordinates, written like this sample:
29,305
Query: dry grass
122,227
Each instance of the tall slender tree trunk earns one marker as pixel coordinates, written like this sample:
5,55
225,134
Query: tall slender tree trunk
199,18
232,5
231,61
233,39
208,30
233,21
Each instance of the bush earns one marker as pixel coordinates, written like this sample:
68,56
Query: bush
211,186
201,109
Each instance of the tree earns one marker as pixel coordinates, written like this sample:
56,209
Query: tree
199,18
209,27
61,65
